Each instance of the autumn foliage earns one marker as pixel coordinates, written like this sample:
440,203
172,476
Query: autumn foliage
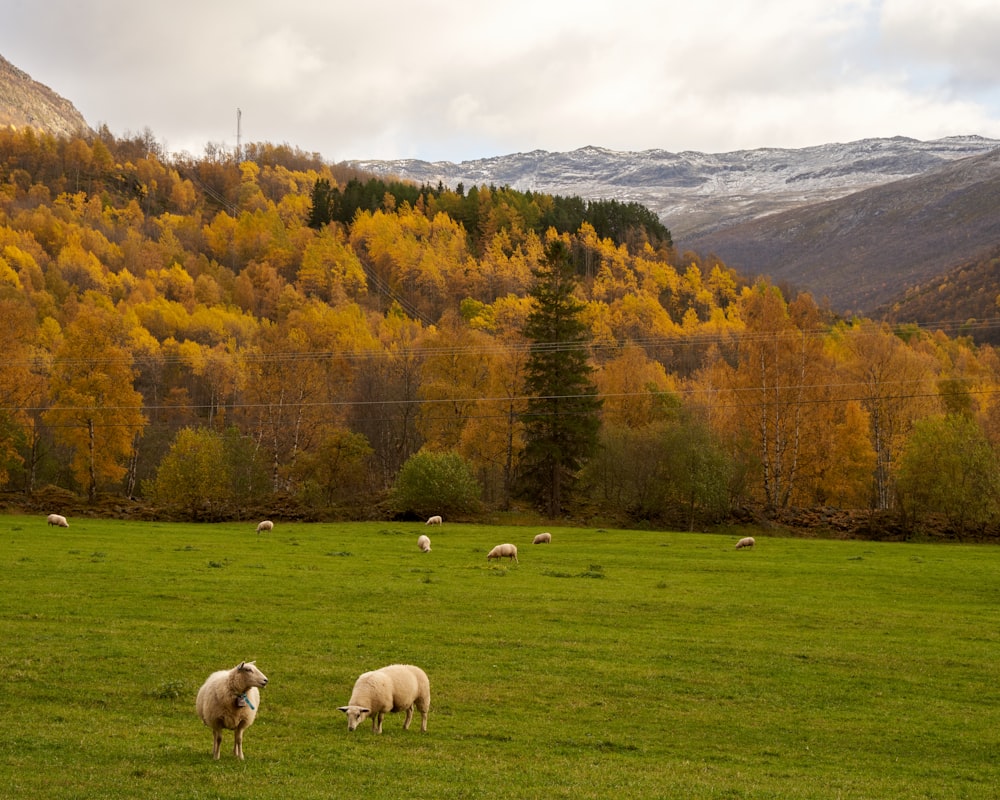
281,328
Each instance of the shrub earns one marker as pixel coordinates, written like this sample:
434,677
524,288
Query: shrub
435,483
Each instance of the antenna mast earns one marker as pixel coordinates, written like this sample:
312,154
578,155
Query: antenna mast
239,121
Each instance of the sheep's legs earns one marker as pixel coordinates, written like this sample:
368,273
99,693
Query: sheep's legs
216,743
409,716
377,722
238,744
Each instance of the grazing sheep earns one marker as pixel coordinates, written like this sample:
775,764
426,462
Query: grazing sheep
57,520
229,700
266,525
398,687
435,520
424,544
503,551
746,541
542,538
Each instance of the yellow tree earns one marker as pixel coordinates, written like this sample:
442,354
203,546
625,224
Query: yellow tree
896,386
631,385
96,412
455,374
778,379
20,387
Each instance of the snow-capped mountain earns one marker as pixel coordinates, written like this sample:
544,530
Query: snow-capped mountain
695,193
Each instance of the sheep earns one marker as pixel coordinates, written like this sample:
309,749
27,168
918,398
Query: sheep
542,538
435,520
503,551
229,700
424,543
398,687
58,521
266,525
746,541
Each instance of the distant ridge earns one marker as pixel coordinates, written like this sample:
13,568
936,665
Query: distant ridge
27,103
695,193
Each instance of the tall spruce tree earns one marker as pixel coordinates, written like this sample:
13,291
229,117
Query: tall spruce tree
562,418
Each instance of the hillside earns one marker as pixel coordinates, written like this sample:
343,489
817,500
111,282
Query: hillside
864,250
26,102
962,301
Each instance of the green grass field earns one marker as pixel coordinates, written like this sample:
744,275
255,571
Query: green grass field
607,664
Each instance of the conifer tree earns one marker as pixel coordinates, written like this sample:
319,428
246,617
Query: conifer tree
321,211
562,417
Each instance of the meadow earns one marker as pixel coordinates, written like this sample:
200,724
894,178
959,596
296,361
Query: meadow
646,664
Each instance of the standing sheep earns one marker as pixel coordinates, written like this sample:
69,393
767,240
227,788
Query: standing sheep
398,687
746,541
266,525
58,521
435,520
424,543
229,700
542,538
503,551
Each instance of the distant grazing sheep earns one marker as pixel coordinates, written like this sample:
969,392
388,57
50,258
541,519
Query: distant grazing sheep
746,541
398,687
58,521
266,525
542,538
228,700
503,551
424,544
435,520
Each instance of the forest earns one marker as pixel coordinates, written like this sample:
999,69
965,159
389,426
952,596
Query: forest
220,336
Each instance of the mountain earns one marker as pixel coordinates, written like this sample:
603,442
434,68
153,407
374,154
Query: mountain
863,250
695,193
25,102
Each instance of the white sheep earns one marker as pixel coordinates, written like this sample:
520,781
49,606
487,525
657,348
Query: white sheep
424,543
542,538
503,551
266,525
58,521
435,520
228,700
398,687
746,541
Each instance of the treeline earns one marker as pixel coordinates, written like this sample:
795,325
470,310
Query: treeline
196,333
482,217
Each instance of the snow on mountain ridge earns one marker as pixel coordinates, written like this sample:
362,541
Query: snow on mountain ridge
695,192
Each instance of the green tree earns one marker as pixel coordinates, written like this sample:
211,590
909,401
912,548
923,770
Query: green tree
436,483
336,467
949,467
562,416
321,212
194,474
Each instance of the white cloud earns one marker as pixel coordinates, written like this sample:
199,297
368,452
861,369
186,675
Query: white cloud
452,80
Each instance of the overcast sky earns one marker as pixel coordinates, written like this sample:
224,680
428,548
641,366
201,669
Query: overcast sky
450,80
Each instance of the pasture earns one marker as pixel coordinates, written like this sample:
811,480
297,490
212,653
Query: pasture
607,664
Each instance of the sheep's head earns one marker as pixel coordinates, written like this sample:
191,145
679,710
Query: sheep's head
249,675
355,715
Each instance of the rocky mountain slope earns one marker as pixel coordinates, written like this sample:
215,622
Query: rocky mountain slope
26,102
695,193
863,250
